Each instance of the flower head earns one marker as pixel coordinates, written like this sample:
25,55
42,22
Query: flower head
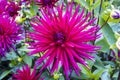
46,3
3,4
115,14
26,74
9,33
12,9
63,37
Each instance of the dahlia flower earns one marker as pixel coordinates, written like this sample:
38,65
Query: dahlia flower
12,9
26,74
9,33
3,4
9,8
63,37
46,3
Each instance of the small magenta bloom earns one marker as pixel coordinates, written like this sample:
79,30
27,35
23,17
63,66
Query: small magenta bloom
63,36
26,74
9,8
9,33
46,3
3,4
12,9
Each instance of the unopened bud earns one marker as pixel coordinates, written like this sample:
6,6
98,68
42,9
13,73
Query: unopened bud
19,19
19,59
115,14
56,76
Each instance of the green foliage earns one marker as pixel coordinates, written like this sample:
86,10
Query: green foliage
27,60
5,73
33,9
103,44
89,4
108,33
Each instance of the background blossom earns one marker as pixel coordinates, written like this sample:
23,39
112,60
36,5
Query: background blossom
3,4
12,9
26,74
9,33
46,3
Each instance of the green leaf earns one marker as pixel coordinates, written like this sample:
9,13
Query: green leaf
103,44
109,63
96,4
33,9
81,77
115,27
83,3
5,73
27,60
90,63
86,71
62,77
12,55
97,73
115,75
46,75
105,76
98,63
85,74
108,33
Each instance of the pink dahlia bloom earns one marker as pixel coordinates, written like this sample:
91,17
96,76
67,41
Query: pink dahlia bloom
63,37
26,74
3,4
9,33
12,9
9,8
46,3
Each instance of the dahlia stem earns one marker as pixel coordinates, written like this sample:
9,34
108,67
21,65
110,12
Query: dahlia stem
100,10
17,53
93,10
25,29
104,23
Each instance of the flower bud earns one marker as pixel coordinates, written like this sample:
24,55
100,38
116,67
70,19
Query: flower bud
19,19
56,76
19,59
115,14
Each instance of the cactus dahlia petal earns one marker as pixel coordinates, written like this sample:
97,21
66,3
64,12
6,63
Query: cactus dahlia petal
63,37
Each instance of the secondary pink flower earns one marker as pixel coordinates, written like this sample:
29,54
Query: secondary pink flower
3,4
9,8
63,37
9,33
12,9
46,3
26,74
